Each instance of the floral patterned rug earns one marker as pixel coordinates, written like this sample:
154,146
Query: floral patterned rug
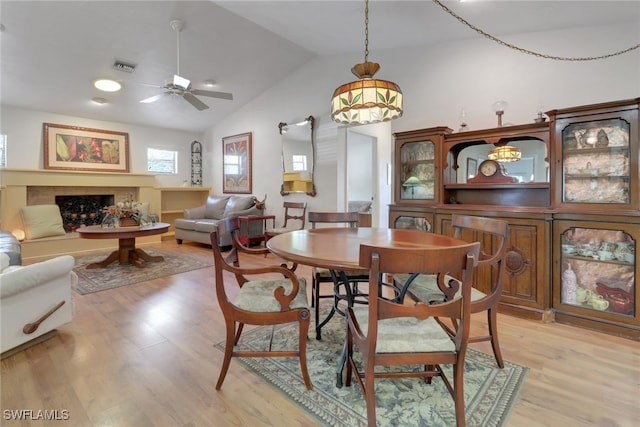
116,275
490,392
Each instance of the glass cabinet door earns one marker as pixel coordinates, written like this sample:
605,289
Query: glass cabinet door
417,171
595,160
598,270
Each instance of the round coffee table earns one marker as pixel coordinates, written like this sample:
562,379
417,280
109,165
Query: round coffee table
127,252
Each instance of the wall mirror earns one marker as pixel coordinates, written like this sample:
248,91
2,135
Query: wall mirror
532,166
298,161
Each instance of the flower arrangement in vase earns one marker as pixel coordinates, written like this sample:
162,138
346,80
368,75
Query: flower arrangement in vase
125,213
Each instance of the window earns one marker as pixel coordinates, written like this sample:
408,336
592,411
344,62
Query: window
162,161
299,163
3,151
231,164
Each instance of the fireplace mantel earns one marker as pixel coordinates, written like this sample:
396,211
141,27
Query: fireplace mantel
22,187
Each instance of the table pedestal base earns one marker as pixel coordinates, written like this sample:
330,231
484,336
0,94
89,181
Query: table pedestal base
127,253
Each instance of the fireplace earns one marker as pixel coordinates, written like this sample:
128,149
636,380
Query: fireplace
78,211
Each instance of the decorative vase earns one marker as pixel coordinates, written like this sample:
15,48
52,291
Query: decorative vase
128,222
569,286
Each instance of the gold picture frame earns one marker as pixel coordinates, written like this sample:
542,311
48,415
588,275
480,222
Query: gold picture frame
85,149
236,163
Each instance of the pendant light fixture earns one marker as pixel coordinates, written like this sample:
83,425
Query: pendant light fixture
366,100
505,154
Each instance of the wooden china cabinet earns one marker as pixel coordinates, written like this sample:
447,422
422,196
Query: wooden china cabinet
596,225
570,192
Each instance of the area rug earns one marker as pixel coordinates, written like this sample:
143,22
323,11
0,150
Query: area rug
116,275
489,392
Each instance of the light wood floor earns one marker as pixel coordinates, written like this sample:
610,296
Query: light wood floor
143,355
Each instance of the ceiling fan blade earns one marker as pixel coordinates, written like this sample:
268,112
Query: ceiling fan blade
181,82
154,98
221,95
195,101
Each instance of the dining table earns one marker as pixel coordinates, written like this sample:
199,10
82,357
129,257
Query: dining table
338,249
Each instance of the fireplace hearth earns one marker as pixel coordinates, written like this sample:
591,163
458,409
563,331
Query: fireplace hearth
78,211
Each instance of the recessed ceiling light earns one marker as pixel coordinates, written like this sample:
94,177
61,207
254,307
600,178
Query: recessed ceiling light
107,85
98,100
209,83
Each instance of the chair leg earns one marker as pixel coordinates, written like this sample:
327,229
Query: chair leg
458,385
369,394
238,333
228,350
302,347
492,319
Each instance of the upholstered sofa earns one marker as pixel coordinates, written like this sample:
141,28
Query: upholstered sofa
10,246
197,223
35,299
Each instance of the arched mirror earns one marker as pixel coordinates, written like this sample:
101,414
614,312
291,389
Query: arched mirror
298,161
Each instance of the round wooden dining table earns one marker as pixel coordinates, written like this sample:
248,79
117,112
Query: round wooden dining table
338,249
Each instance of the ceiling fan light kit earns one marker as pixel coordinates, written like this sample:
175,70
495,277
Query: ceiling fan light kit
180,85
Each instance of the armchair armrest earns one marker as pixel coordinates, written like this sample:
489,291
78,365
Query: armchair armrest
30,276
194,213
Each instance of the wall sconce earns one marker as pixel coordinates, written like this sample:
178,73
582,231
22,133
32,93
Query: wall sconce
499,107
283,128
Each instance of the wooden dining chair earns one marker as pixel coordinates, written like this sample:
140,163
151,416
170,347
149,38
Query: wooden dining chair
489,277
272,300
293,211
323,275
407,337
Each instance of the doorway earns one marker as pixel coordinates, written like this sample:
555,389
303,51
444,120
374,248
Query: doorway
361,170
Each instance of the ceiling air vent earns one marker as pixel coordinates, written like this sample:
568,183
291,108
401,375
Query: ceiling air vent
124,67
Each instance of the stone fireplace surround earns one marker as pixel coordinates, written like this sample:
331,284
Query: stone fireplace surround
20,187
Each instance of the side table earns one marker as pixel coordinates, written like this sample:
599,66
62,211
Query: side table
248,219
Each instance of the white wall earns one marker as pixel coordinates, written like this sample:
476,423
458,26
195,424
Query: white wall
437,82
25,143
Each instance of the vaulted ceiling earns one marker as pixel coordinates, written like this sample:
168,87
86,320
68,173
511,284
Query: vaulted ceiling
52,51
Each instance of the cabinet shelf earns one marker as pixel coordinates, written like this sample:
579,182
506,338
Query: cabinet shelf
587,176
596,150
592,259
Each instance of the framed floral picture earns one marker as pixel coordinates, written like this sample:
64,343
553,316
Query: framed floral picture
78,148
236,167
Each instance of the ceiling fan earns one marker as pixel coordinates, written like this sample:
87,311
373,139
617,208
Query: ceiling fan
181,86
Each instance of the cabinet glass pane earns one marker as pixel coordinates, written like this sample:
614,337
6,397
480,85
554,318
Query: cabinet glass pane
596,162
417,171
412,223
598,269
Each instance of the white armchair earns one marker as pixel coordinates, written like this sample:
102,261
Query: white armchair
34,299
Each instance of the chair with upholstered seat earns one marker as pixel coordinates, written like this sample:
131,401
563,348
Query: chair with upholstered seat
408,337
294,219
489,279
274,300
323,275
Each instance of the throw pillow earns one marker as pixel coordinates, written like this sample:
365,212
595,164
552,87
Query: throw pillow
238,204
42,221
214,208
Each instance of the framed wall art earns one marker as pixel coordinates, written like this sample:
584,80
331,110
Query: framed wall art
236,168
78,148
472,167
